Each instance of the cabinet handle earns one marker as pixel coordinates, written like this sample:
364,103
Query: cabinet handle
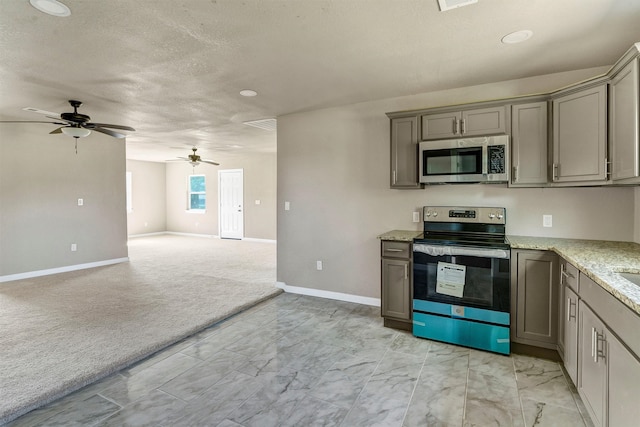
463,129
554,176
394,177
606,168
406,272
570,304
393,250
600,347
593,344
516,178
455,126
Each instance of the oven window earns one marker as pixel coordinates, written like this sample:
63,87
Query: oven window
486,281
453,161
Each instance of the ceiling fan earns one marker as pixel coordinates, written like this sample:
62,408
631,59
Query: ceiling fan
195,159
75,124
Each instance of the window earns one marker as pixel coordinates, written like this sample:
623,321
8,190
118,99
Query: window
197,193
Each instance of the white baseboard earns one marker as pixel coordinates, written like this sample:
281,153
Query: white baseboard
176,233
254,239
157,233
38,273
329,294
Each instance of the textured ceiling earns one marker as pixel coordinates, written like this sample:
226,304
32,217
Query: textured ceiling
173,69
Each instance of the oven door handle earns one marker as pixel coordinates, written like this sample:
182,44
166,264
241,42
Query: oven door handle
437,250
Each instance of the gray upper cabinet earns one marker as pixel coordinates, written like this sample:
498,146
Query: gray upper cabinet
466,123
580,136
529,132
404,152
623,119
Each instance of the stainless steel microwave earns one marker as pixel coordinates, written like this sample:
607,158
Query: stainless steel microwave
468,160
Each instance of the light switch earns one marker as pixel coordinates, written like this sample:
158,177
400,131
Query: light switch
547,220
80,202
257,202
287,206
416,216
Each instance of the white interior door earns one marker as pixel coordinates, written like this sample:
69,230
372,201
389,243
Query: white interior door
231,202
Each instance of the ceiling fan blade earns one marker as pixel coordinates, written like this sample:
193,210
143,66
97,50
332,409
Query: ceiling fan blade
210,162
39,111
109,132
184,158
30,121
60,118
58,130
105,125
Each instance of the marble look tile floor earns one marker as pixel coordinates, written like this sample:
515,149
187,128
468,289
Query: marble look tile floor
303,361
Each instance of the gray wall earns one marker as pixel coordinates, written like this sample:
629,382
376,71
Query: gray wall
41,180
333,168
259,184
149,197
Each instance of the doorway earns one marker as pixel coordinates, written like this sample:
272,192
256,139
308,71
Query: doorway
231,202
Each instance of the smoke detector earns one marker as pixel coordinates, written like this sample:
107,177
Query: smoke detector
454,4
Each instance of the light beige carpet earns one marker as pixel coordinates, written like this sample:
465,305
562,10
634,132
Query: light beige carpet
61,332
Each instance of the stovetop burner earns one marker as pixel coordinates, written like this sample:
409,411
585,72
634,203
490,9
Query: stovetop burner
464,226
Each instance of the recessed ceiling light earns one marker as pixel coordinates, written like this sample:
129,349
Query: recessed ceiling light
248,92
517,37
51,7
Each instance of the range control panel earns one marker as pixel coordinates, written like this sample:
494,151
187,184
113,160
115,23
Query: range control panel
482,215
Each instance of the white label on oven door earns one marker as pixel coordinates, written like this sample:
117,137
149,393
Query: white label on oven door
450,279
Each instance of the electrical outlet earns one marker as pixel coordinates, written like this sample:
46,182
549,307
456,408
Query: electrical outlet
547,220
74,247
287,206
318,265
257,202
416,216
80,202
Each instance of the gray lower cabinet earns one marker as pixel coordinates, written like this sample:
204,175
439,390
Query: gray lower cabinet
396,284
592,369
623,121
404,152
534,298
529,156
608,344
580,136
466,123
624,385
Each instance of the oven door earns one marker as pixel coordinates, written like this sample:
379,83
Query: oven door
462,276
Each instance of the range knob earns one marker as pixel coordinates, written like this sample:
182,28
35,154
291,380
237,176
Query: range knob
492,215
428,213
435,214
500,216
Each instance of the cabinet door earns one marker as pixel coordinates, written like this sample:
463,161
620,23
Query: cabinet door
484,121
537,298
529,143
624,123
396,288
624,385
592,366
441,126
580,136
570,331
404,153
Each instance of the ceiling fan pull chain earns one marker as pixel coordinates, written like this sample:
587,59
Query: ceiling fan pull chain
76,138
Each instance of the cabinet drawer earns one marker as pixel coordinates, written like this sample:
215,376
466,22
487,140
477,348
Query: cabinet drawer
615,314
396,249
569,276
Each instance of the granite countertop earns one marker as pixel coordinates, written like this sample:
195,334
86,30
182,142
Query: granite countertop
400,235
600,260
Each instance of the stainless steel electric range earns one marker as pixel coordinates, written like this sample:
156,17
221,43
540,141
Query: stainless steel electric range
461,278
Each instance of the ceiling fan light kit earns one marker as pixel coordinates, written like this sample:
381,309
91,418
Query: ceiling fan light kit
76,132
